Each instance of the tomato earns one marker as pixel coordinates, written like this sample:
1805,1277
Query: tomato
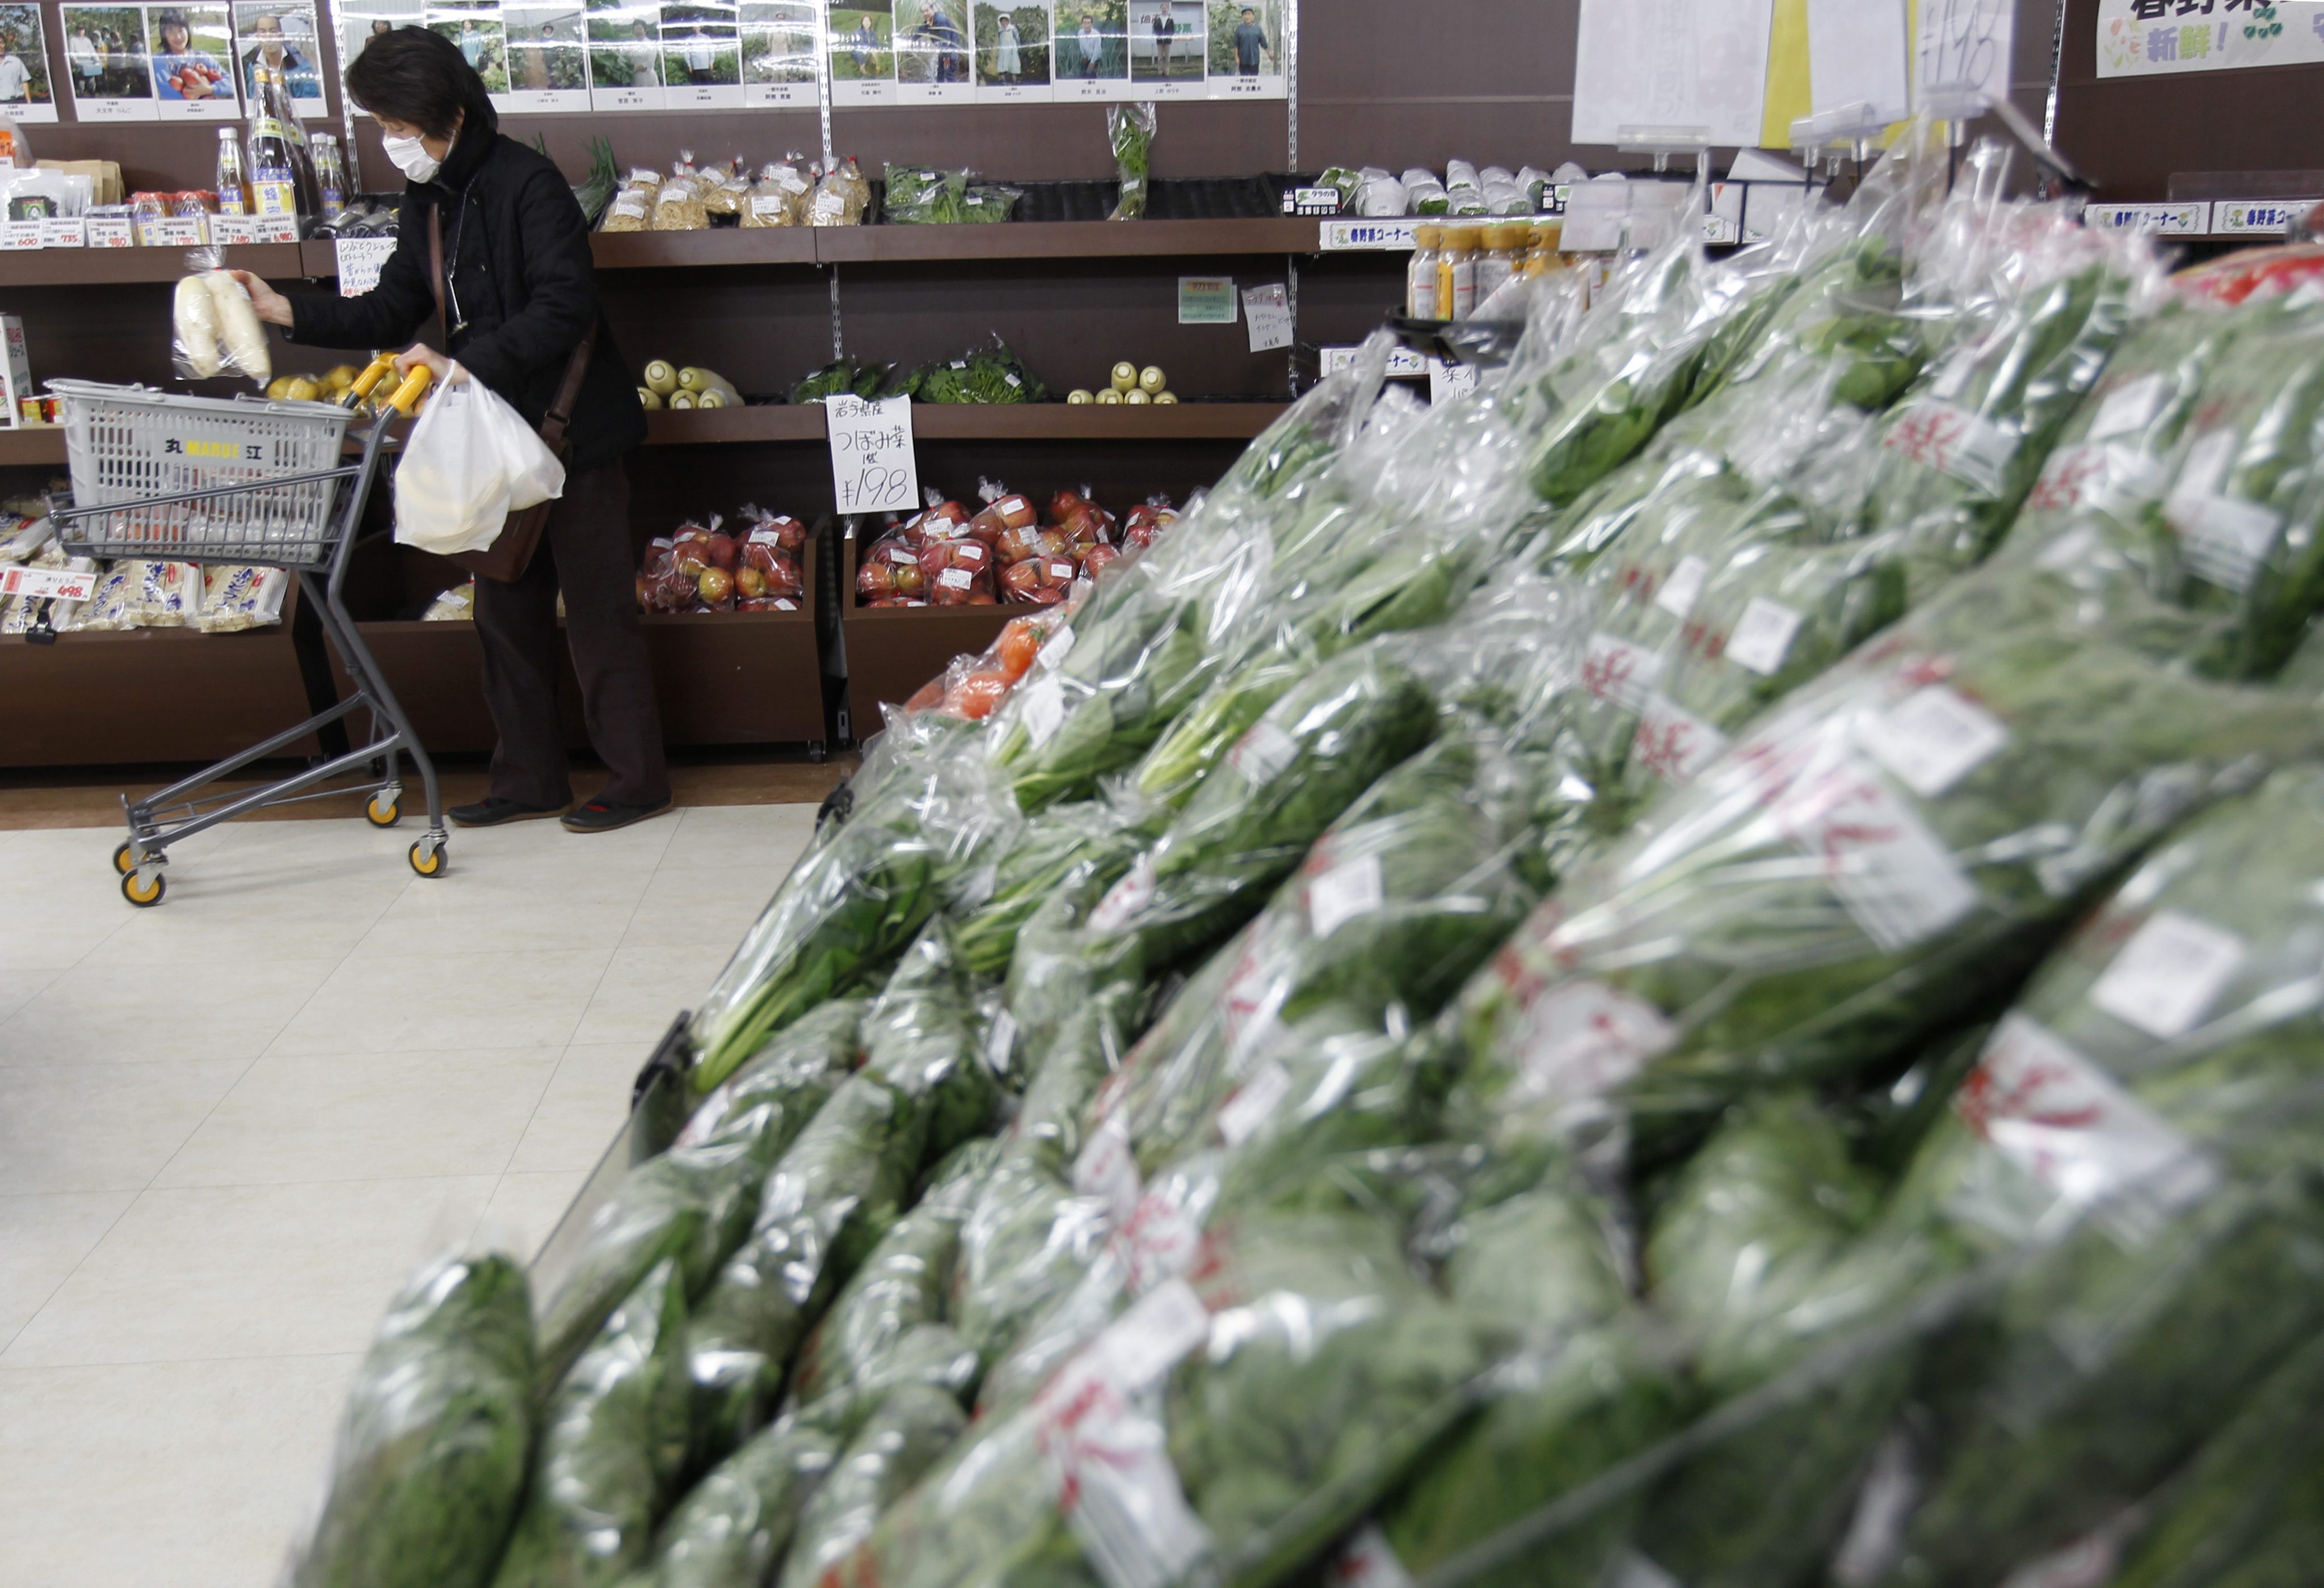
974,696
927,696
1018,644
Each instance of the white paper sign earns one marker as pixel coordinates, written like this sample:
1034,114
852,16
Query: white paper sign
2137,38
1618,670
1341,894
1671,65
1268,312
1372,236
1857,58
64,233
1763,636
2161,220
49,584
361,259
1448,380
872,465
1964,48
1933,738
2166,976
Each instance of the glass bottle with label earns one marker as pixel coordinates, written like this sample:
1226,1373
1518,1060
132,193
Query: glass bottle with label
330,176
1500,259
233,188
1420,278
1456,274
281,180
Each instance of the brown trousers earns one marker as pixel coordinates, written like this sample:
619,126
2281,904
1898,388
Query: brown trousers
585,552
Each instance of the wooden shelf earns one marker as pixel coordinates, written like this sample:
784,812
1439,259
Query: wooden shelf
38,444
86,267
979,422
734,246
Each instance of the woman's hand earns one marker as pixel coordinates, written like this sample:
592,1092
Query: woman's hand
420,352
273,306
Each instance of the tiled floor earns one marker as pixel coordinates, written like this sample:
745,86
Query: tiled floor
229,1126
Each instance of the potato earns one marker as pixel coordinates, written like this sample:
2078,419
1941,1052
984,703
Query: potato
278,388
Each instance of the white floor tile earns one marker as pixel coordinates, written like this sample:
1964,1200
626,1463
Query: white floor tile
103,1127
767,835
248,1270
223,911
192,1473
377,1002
19,986
642,990
43,1239
585,1105
552,913
366,1116
127,1014
524,1209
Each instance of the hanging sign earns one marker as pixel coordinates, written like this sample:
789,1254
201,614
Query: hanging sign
872,466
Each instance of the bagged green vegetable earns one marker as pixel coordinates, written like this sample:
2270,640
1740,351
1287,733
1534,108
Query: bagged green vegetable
902,1285
796,1069
919,195
991,374
1866,865
1058,850
923,1038
612,1444
1130,128
854,901
901,1440
824,1206
734,1525
429,1467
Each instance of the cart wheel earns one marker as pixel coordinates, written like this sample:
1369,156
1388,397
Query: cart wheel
429,860
123,861
816,752
386,816
142,891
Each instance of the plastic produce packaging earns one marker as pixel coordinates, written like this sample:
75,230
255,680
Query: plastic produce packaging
1130,128
218,330
430,1468
237,598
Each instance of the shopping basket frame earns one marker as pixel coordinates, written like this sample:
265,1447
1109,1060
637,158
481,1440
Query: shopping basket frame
180,810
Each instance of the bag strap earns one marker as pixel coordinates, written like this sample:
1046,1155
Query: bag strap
436,267
560,411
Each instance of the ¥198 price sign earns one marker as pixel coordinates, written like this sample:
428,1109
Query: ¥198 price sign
871,464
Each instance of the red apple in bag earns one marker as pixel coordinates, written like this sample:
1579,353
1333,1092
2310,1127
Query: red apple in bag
661,558
875,582
723,551
1097,559
1017,544
1062,505
783,579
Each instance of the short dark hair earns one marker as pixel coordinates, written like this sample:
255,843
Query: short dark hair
417,76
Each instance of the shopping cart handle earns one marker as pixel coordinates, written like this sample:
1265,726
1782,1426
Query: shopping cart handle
379,370
415,386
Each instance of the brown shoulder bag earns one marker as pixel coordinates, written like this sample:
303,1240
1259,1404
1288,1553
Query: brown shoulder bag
511,552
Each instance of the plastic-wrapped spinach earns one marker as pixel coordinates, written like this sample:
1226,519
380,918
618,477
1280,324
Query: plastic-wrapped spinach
912,1427
924,1038
855,900
612,1447
430,1464
1057,850
797,1069
734,1525
1870,863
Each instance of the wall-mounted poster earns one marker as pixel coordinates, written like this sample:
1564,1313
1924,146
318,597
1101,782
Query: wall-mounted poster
106,59
2138,38
192,52
780,62
26,94
280,34
547,61
1248,41
362,21
1169,49
625,58
1090,53
1012,52
862,40
933,65
702,55
476,27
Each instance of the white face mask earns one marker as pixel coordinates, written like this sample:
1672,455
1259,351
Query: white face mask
411,156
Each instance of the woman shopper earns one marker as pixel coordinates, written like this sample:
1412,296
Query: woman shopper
519,298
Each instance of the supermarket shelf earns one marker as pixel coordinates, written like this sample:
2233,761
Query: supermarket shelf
38,444
994,421
1067,240
732,246
86,267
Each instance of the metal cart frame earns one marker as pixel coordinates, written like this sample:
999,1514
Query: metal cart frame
304,522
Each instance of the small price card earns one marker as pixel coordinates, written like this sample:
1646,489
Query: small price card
872,469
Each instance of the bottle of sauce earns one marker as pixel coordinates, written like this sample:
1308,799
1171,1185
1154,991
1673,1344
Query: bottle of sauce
1456,274
1500,259
1420,276
233,187
330,176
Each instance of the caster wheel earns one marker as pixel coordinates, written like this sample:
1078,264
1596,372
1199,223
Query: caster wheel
816,752
123,861
143,893
429,862
383,815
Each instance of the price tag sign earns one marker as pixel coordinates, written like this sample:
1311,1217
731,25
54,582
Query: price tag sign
1206,300
49,584
64,233
1447,379
873,469
1268,311
21,233
112,231
178,231
361,259
228,231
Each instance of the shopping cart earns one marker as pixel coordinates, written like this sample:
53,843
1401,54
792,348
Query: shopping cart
244,481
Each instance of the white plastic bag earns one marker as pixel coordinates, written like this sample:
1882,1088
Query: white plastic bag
470,462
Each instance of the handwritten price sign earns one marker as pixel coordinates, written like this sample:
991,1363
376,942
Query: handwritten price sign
871,464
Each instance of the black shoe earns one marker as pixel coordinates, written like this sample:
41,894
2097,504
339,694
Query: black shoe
603,816
492,811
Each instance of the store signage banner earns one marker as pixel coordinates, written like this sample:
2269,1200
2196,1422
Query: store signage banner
542,57
2146,38
1671,70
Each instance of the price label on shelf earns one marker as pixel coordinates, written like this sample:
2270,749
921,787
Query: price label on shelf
112,231
64,233
20,234
178,231
229,231
1268,312
873,469
361,259
49,584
